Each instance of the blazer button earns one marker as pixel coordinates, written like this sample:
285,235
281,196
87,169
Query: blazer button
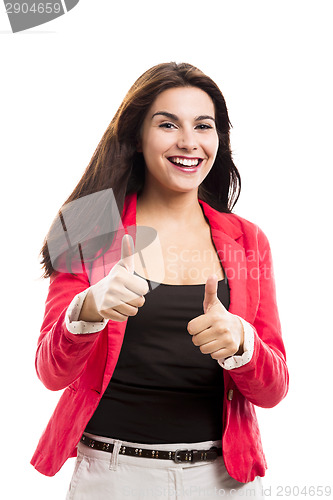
230,394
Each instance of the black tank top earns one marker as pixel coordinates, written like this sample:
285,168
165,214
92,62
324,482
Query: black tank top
163,389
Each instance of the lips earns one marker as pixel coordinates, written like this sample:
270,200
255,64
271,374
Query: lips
185,161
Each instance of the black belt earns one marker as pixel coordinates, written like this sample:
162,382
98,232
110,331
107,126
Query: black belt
177,456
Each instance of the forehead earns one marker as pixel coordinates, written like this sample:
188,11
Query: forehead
183,101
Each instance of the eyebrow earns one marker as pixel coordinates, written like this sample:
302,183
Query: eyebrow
175,117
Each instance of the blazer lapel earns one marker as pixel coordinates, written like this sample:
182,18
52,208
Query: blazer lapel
225,236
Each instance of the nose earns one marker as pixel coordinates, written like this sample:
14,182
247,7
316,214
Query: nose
187,139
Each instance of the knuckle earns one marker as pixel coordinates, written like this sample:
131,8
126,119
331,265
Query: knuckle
109,301
139,284
142,300
133,311
216,317
137,302
195,340
191,328
234,347
224,330
219,324
117,280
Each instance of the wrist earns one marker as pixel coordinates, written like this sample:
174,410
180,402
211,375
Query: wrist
241,336
89,311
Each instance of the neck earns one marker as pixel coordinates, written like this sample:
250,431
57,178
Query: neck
181,208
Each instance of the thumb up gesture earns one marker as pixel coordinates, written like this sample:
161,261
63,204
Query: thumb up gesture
216,332
120,293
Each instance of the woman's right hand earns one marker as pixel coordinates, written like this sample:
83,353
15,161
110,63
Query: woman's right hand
119,294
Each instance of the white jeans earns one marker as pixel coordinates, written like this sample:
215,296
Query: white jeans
99,475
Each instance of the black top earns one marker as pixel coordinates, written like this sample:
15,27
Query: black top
163,389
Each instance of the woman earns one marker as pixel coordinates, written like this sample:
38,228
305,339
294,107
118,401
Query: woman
195,295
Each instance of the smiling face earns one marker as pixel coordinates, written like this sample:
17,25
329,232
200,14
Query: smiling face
179,140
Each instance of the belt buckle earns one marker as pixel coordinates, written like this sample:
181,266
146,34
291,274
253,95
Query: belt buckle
188,456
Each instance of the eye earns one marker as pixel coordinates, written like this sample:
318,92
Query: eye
204,126
167,125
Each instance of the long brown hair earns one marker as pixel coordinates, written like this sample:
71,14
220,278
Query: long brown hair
117,164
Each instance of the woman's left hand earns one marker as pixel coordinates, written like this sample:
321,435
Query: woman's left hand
216,332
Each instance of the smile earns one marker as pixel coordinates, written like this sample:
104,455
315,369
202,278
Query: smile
185,162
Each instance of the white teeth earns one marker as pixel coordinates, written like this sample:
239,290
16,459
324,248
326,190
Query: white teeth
185,162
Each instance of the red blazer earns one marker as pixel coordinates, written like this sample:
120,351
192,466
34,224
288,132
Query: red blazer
83,364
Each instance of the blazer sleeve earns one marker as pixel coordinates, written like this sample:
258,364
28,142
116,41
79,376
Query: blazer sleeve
264,379
61,355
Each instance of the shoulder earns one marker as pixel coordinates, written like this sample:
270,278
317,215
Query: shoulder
230,223
244,225
251,232
245,232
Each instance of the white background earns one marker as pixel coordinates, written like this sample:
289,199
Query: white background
61,84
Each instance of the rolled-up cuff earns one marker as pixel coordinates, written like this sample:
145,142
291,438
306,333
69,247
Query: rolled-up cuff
75,326
237,361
